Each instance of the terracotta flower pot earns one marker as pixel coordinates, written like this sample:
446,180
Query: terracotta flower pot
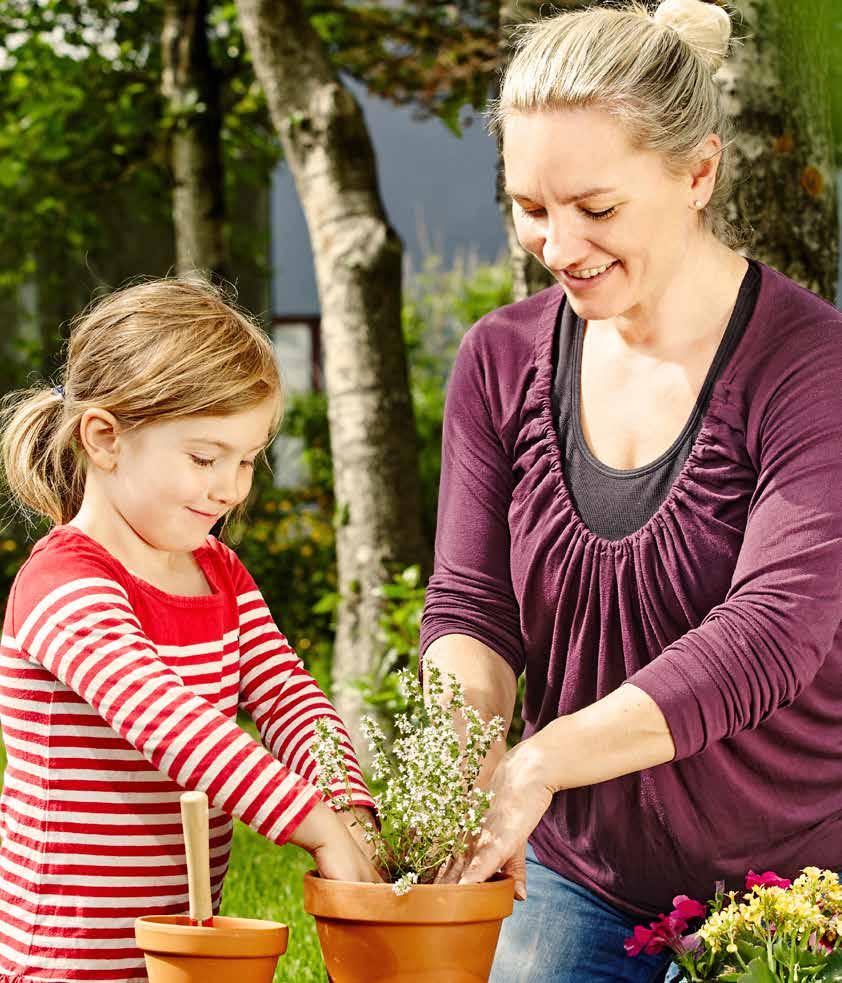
436,933
234,950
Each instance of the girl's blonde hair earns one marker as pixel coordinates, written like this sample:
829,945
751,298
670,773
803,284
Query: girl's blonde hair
154,351
652,71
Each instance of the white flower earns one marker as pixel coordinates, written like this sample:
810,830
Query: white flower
427,800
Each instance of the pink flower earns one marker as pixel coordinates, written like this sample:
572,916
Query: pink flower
665,933
690,943
820,944
687,908
636,943
769,879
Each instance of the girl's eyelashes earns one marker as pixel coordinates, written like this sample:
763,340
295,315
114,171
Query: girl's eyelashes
206,462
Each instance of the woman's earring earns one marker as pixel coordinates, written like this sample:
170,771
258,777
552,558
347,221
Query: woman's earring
698,204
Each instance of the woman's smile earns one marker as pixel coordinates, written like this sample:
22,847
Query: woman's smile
586,279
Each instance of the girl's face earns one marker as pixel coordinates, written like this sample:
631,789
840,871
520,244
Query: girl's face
586,202
175,479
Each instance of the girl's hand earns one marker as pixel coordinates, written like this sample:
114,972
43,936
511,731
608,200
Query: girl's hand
522,794
344,861
352,822
329,841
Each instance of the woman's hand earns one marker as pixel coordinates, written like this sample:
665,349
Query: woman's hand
522,794
326,837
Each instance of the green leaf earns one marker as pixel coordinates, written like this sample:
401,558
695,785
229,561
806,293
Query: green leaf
748,951
832,972
450,116
326,604
758,972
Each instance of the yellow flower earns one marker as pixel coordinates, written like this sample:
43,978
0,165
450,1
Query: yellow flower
721,927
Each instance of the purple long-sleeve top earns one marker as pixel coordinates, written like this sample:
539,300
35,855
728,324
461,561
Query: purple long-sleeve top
725,607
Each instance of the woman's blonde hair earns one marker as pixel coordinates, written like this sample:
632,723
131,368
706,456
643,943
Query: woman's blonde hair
154,351
652,71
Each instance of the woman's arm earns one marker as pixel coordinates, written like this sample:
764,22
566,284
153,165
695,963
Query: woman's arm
489,685
622,733
487,680
471,623
470,592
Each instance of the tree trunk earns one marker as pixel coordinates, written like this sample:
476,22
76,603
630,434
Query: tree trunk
777,92
358,270
190,84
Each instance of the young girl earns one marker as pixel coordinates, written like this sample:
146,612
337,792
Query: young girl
132,636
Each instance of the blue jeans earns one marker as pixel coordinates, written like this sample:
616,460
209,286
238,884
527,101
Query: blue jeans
563,933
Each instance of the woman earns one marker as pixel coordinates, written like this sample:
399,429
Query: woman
641,509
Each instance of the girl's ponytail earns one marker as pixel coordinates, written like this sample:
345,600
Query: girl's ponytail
44,473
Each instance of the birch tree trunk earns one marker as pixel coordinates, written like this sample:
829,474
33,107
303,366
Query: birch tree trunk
358,260
190,85
776,85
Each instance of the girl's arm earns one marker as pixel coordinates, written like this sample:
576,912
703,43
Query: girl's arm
73,617
279,694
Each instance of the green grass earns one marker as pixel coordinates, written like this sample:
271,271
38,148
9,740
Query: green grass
264,881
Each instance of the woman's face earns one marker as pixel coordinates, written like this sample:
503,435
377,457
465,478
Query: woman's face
586,202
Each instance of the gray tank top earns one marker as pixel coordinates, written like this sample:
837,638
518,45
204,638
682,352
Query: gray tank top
613,504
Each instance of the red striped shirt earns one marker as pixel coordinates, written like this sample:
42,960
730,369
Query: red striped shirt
114,698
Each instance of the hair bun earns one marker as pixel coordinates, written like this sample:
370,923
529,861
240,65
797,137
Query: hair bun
706,27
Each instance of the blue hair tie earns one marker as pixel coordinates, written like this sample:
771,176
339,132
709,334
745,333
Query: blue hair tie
59,391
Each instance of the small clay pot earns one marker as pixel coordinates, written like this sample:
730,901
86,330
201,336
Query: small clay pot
234,950
435,933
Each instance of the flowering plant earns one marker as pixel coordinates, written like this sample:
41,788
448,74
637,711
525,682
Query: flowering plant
780,930
425,784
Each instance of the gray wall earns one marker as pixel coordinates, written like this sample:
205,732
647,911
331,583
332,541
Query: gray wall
438,190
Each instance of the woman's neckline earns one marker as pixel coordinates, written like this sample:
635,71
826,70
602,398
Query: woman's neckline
542,386
699,406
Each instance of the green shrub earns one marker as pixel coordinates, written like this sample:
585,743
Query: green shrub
400,626
286,541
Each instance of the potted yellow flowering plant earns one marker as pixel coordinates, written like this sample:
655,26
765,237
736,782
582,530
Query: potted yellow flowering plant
778,931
